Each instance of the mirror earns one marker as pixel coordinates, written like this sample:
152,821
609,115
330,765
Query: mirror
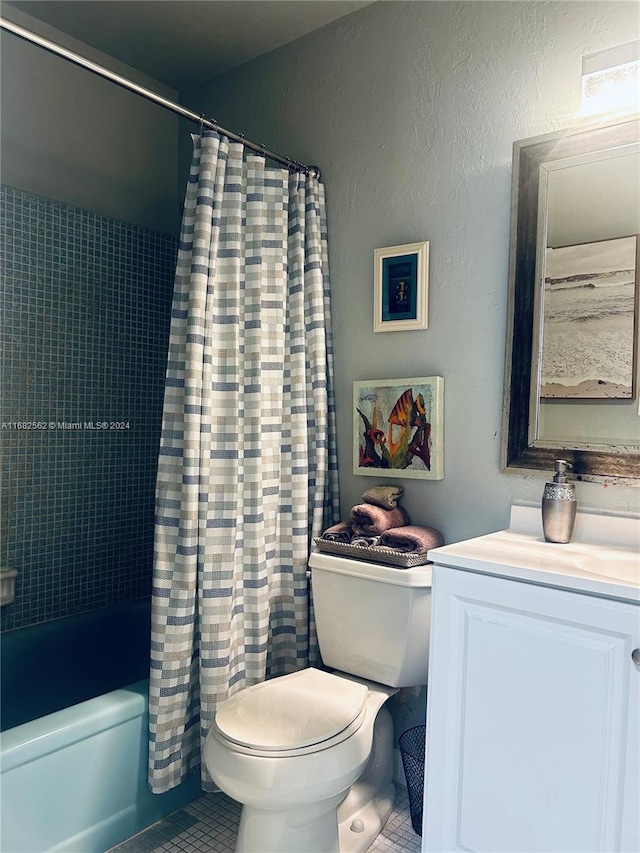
573,359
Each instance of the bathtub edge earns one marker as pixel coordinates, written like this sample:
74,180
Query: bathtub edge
64,728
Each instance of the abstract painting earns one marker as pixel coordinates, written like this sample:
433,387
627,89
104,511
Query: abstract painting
398,427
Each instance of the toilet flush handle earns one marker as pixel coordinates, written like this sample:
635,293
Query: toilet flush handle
635,656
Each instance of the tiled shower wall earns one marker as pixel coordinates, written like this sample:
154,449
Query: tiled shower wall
85,306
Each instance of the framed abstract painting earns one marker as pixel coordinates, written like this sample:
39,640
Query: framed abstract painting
398,428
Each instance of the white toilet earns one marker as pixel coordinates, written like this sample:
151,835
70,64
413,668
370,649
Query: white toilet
310,755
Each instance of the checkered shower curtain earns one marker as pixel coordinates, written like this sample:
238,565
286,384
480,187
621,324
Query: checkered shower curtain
247,467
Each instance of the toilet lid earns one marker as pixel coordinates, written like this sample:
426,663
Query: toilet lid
292,711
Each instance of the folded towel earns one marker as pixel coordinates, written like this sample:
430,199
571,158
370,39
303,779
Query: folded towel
411,539
385,496
340,532
370,520
365,541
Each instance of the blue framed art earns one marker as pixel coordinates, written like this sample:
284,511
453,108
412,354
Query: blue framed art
401,288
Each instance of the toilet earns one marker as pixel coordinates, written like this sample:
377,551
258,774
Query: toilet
310,754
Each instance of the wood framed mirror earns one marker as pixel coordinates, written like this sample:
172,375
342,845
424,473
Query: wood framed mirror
572,355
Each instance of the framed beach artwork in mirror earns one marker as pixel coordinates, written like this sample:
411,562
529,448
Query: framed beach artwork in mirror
400,288
398,428
589,320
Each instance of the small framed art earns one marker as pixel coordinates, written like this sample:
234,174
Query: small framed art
400,288
398,428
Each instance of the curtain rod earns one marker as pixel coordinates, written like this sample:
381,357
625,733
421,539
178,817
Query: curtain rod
101,71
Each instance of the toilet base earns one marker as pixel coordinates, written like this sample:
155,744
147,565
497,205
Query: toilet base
307,829
358,830
370,801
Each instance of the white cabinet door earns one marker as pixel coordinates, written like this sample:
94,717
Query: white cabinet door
532,719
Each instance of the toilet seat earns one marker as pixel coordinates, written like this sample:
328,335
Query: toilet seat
291,715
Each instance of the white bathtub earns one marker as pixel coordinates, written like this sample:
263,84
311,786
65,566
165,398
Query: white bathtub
75,780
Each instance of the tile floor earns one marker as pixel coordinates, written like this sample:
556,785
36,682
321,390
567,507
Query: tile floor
210,825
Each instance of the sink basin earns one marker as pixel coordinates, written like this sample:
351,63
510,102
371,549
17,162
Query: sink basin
530,552
621,565
604,553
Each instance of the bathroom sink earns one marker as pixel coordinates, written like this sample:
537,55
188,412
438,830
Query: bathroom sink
530,552
602,558
620,565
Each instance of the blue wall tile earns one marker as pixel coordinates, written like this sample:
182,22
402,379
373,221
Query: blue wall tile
85,310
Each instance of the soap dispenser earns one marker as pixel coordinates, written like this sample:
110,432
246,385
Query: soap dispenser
559,506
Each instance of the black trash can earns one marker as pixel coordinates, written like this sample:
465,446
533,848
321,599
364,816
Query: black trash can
412,751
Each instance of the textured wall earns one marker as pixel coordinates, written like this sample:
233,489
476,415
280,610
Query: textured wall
411,110
85,321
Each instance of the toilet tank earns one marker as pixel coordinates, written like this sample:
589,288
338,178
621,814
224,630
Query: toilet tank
372,620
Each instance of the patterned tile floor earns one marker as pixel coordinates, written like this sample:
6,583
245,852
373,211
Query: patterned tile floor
210,825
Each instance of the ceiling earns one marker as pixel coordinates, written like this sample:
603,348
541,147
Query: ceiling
183,43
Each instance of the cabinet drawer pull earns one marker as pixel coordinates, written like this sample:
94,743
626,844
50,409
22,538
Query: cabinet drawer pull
635,656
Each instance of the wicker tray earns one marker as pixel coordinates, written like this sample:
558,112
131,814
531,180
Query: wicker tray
374,554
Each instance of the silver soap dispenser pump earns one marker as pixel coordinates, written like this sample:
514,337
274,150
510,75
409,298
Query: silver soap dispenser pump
559,506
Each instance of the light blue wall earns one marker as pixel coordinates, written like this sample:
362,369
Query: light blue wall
411,110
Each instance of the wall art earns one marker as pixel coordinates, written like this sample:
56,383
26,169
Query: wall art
400,288
398,427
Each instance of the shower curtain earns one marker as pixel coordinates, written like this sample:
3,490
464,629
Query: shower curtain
247,468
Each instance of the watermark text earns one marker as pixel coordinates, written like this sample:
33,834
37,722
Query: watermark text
65,425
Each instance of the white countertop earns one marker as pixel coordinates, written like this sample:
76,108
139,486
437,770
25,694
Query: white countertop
603,557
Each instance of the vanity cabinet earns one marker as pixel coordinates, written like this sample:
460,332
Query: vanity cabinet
532,717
